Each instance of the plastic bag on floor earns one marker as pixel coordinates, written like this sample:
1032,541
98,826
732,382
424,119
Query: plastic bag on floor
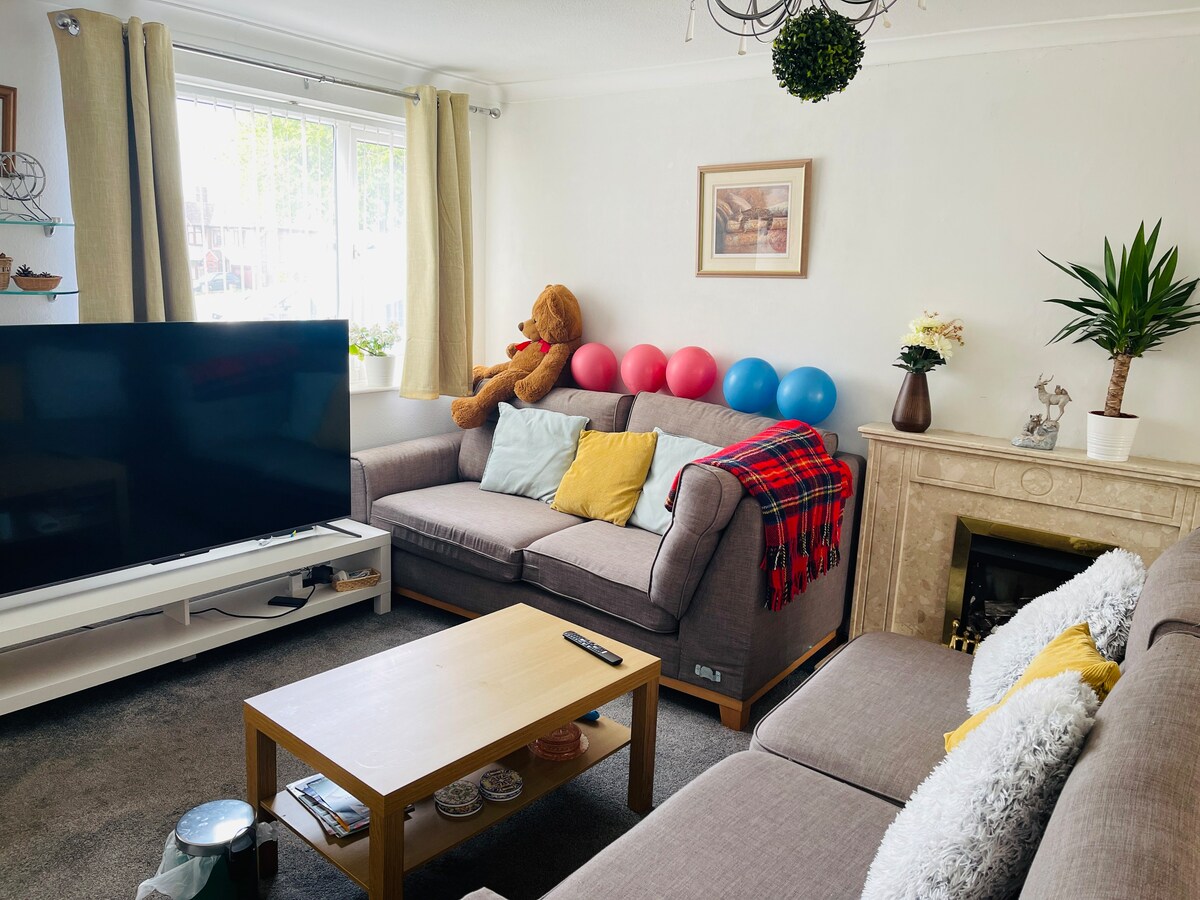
180,877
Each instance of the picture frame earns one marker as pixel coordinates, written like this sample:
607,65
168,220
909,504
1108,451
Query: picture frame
752,219
8,119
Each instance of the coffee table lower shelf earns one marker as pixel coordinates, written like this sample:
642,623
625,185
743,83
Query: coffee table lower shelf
427,833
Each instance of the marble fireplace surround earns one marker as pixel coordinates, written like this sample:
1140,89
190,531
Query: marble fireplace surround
918,485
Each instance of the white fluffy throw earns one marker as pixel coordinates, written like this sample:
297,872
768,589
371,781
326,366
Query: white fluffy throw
971,829
1103,595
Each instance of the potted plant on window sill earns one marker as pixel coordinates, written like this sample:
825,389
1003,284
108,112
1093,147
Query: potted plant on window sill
371,343
1137,306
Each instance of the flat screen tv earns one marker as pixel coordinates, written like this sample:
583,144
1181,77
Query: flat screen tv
122,445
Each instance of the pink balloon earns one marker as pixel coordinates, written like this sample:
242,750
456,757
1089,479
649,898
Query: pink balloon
691,372
594,367
644,368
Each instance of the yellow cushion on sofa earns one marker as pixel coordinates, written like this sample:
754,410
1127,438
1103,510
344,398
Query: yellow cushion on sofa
1074,649
607,475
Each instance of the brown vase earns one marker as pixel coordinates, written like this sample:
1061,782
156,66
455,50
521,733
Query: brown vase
911,412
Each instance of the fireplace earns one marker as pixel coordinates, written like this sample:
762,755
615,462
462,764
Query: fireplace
995,569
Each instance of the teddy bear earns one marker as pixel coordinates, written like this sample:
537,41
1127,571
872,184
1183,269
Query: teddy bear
554,330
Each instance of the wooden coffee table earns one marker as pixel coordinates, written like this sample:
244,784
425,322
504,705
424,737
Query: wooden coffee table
394,727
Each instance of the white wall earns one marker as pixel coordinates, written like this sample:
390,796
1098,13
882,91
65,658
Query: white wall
29,62
935,184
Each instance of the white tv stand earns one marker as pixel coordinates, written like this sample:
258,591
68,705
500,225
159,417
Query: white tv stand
238,579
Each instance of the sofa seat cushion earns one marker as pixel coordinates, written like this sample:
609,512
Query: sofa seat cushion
467,528
603,566
753,825
874,716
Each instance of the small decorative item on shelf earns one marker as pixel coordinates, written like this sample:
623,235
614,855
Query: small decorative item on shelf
929,343
1041,431
1136,307
5,271
561,744
352,581
371,343
28,280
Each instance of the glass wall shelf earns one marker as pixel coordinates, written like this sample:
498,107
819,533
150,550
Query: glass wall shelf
47,225
50,295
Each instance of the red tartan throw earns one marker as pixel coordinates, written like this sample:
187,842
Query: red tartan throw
802,491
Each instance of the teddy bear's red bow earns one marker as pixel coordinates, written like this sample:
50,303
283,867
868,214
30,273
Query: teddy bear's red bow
544,346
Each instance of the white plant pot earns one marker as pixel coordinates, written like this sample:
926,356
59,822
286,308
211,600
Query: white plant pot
381,370
1110,437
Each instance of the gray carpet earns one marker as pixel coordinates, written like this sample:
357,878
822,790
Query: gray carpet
94,782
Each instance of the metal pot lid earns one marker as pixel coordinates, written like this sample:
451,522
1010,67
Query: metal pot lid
208,829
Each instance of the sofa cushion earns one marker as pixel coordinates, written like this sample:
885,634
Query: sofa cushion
531,451
751,826
607,412
1126,822
1170,600
1072,650
1103,595
671,454
603,566
874,715
972,828
703,421
607,475
462,526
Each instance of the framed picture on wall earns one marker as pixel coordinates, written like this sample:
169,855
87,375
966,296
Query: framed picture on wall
8,119
753,219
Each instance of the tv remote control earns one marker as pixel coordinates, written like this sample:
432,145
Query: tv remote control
592,647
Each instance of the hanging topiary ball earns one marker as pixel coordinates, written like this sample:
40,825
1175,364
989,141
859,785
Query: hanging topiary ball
817,53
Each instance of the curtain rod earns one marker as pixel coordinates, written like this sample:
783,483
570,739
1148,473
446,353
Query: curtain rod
70,24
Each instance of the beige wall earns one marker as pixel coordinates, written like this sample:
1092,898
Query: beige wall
935,184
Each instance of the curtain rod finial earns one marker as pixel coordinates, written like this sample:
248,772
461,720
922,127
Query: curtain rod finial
67,23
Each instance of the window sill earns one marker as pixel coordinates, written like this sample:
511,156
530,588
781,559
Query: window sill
363,388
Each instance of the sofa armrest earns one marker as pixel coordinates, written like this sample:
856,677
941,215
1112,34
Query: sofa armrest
406,466
728,628
704,504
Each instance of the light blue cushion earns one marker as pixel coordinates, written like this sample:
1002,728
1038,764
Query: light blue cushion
671,454
531,451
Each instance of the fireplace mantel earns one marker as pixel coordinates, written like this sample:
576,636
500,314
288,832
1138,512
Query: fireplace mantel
918,485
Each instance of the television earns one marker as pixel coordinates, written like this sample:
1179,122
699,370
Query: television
128,444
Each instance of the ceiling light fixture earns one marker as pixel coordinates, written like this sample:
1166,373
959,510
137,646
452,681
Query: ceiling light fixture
762,18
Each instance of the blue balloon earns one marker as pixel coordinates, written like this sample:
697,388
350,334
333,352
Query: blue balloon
750,384
807,394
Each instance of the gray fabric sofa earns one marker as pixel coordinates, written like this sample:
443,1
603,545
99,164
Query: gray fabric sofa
802,812
693,597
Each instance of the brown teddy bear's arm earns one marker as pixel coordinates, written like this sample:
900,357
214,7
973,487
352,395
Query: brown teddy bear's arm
537,384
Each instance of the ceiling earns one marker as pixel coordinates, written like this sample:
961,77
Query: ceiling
506,42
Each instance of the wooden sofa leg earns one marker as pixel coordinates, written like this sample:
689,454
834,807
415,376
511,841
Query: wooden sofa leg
736,716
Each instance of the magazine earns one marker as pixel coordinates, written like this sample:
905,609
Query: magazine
339,813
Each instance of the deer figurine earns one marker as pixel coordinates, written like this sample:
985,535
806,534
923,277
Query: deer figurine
1060,398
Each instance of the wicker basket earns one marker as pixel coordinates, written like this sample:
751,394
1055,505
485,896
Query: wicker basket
353,584
5,271
30,283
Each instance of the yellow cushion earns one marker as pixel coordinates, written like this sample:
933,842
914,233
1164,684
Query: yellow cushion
1074,649
607,475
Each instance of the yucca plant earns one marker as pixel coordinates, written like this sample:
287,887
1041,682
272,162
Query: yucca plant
1137,306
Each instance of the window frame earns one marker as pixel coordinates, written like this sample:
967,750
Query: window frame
350,125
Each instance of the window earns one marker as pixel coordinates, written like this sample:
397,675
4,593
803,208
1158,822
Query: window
292,213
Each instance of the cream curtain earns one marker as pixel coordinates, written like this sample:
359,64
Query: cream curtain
437,347
118,86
